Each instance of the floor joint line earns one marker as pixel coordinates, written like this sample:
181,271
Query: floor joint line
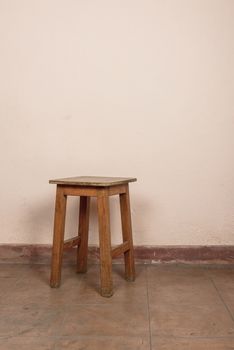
221,298
147,288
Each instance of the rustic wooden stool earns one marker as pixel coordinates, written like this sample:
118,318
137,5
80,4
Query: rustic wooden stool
102,188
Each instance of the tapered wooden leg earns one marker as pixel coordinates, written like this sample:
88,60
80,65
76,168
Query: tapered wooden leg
127,234
83,233
58,240
105,244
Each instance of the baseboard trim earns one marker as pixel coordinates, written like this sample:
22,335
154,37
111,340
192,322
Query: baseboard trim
41,254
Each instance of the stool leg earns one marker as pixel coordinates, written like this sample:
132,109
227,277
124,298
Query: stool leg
83,232
127,235
58,240
105,244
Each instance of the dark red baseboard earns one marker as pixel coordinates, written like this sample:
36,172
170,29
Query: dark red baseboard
41,254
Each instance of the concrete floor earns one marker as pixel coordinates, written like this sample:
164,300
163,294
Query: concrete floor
168,307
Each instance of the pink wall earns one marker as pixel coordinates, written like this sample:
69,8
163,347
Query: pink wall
141,88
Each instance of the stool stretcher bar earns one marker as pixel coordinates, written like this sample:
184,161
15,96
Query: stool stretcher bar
120,249
71,242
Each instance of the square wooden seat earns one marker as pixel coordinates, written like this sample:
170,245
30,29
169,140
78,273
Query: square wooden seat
86,187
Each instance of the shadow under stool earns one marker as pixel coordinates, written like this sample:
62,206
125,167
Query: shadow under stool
86,187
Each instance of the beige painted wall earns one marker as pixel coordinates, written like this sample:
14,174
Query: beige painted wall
139,88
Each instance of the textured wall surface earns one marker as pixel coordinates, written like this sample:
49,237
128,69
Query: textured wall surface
141,88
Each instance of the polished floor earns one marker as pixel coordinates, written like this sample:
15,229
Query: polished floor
168,307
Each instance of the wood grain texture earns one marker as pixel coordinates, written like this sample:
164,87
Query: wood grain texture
105,244
58,239
117,189
91,191
79,191
127,234
93,181
83,233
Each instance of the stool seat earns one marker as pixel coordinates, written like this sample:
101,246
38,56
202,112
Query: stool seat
86,187
93,181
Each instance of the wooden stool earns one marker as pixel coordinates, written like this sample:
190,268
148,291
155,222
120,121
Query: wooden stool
102,188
